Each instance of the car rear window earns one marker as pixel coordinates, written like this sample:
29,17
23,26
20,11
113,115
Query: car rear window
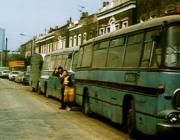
15,72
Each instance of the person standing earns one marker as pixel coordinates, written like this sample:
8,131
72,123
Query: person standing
61,78
55,72
68,90
59,72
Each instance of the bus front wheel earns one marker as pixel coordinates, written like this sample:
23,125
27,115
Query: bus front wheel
131,120
86,106
33,89
39,90
45,88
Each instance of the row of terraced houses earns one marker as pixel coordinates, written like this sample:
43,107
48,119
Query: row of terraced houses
111,17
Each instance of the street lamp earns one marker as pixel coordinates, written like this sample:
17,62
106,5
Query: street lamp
22,34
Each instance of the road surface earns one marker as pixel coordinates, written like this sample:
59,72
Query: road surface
24,115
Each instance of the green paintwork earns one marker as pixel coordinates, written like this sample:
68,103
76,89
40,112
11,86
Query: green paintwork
35,72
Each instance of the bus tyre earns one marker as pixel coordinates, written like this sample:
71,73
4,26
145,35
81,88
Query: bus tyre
39,90
131,120
86,106
45,88
33,89
47,95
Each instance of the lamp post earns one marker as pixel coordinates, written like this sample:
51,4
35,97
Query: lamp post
4,53
5,57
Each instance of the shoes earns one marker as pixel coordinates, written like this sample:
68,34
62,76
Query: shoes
68,109
61,107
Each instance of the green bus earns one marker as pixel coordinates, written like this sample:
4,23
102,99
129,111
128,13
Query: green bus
35,70
132,76
49,83
46,71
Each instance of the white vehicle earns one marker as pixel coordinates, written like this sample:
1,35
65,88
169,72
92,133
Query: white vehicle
4,74
13,74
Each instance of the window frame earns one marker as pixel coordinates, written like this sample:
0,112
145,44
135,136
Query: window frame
131,44
116,46
103,48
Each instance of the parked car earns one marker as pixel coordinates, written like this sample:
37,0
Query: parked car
18,77
13,74
22,77
4,74
25,78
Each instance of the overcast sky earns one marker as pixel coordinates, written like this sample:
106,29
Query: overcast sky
32,17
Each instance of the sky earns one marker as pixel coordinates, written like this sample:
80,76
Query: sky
33,17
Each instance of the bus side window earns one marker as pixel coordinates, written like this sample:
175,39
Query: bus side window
116,52
80,55
56,62
68,62
75,60
100,54
47,63
148,48
63,61
53,60
59,59
133,50
157,57
87,56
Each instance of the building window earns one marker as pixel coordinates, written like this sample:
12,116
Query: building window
59,43
124,24
108,30
51,47
54,46
64,43
70,41
84,37
47,49
112,24
101,31
43,49
90,35
75,40
79,39
117,27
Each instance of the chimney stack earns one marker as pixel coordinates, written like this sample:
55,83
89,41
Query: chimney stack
105,3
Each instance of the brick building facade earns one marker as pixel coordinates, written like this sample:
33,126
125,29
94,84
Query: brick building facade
111,17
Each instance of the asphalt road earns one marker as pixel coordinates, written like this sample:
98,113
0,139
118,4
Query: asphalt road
27,116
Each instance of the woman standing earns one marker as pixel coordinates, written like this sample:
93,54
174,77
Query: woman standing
68,90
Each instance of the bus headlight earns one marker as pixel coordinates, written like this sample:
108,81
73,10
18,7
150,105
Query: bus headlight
172,117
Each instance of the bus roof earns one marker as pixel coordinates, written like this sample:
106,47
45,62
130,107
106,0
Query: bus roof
140,26
64,51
